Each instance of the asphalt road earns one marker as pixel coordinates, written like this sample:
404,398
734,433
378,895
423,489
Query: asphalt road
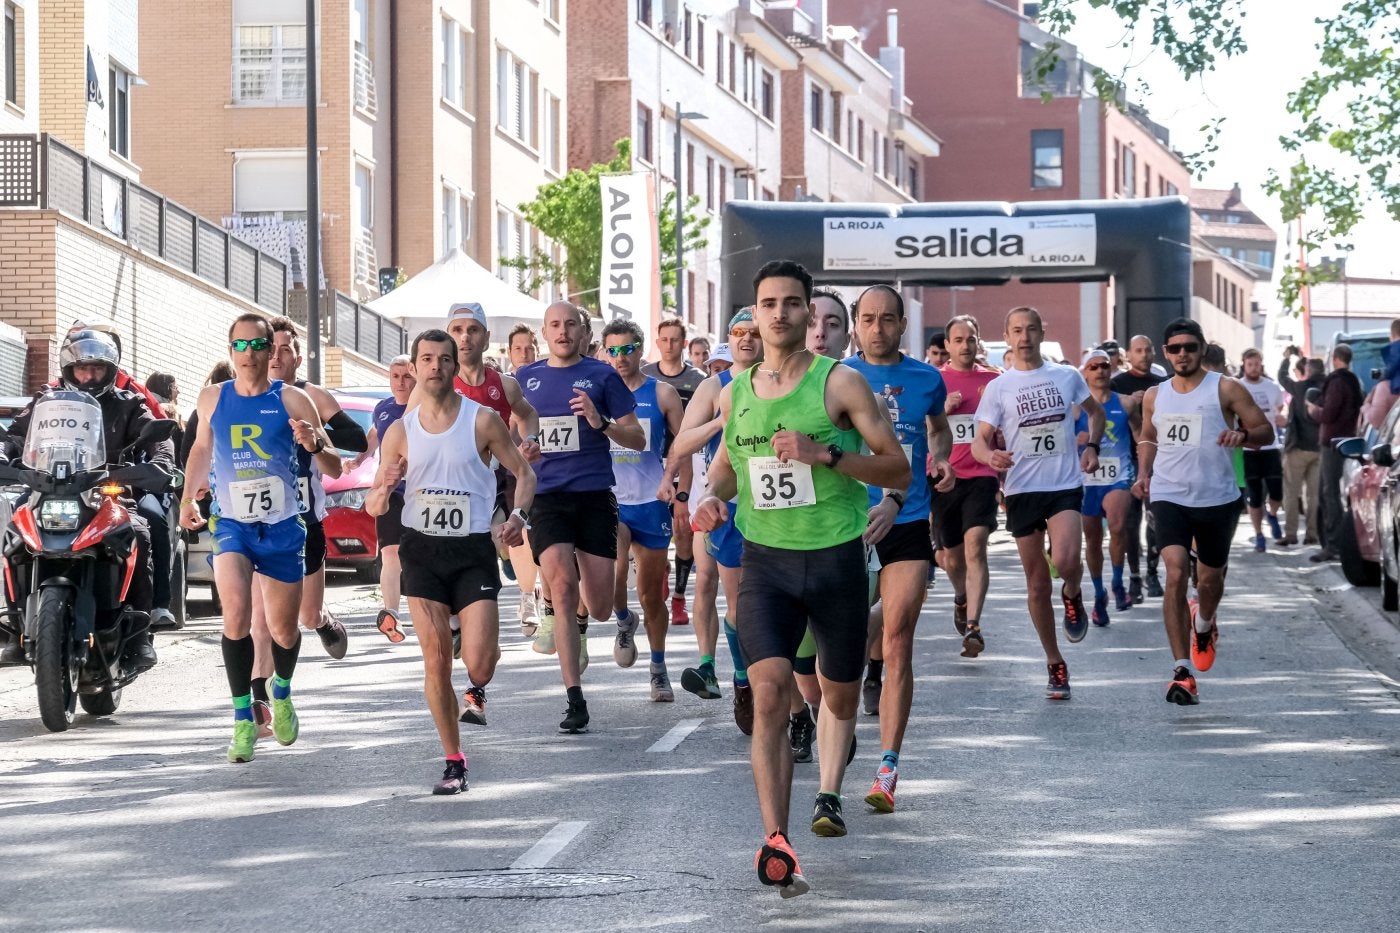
1274,805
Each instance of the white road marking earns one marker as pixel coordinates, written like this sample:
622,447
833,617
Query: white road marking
669,741
554,841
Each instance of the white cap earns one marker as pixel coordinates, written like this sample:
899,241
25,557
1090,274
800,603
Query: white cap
1157,370
1091,355
469,310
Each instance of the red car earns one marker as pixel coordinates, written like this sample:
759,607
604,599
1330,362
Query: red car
351,541
1362,484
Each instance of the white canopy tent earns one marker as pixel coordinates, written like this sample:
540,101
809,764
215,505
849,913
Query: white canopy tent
422,302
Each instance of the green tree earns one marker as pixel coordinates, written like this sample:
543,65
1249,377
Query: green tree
570,212
1346,142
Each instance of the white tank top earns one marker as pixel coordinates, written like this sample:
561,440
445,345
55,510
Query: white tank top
1191,469
448,491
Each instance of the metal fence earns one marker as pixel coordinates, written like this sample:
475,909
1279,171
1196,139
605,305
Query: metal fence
40,171
349,324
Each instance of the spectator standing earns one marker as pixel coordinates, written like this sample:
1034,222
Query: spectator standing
1335,414
1300,450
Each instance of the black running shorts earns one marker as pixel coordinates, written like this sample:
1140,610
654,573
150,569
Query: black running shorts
905,541
314,557
1208,530
781,591
453,571
585,520
1029,512
388,528
1263,473
971,503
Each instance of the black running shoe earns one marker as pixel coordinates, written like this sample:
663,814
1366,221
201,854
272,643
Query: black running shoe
973,642
474,707
851,755
575,718
802,731
743,708
1154,586
1135,590
826,816
960,616
454,780
1076,619
870,692
333,637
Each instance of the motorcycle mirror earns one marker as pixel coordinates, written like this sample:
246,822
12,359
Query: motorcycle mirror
1383,455
1353,448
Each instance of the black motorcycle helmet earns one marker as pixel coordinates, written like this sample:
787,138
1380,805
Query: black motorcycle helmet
89,346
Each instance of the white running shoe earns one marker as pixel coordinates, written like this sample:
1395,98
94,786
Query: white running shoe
529,614
624,644
661,691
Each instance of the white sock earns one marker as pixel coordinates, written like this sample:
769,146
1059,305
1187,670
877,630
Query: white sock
1203,624
1184,663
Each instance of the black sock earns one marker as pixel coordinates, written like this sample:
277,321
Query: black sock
284,660
683,567
873,669
575,694
582,622
260,689
238,664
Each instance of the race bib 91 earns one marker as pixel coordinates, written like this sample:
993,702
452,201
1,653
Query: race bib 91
559,435
1178,430
964,428
443,515
1036,441
1110,471
777,485
256,500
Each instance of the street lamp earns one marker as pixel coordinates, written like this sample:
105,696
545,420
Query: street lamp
680,208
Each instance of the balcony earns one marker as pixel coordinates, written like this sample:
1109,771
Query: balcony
366,262
366,97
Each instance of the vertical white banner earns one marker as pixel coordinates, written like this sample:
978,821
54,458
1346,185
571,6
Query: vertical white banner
630,280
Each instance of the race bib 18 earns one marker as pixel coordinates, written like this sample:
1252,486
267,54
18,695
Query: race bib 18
303,494
1110,471
618,449
778,485
559,435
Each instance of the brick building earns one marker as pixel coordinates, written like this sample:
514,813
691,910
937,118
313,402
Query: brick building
1008,137
437,118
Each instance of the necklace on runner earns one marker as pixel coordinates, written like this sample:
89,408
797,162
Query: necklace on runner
775,373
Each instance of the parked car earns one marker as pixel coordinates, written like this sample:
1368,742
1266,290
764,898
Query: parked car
10,407
1366,346
1376,505
351,541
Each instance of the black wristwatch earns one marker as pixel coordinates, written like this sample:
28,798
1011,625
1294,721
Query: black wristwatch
898,498
606,421
682,496
836,454
1095,445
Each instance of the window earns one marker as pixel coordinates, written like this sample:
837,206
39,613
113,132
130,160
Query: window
1129,172
860,139
269,64
687,30
710,307
719,59
553,133
644,12
552,10
700,42
1266,258
709,183
835,117
1047,158
458,65
733,54
364,195
456,218
643,140
119,111
1233,218
689,170
766,95
1227,252
516,90
747,88
12,47
512,242
913,187
818,101
876,151
1172,190
723,186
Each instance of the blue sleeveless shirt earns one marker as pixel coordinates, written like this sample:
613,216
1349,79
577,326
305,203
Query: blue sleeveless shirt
253,473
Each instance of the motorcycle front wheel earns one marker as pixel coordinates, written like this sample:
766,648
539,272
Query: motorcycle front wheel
55,668
101,704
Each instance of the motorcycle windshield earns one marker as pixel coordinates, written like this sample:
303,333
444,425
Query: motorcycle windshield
65,428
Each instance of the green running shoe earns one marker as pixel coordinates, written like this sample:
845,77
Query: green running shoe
284,721
245,738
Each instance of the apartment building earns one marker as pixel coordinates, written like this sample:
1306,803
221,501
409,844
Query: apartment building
1009,137
436,118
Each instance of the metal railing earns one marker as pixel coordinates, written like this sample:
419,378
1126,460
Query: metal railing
39,171
366,96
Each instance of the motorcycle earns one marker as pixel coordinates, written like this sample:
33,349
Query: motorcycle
70,553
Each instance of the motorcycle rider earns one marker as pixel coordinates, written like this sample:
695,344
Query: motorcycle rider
88,362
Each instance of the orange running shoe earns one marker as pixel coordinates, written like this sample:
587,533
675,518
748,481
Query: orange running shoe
1182,690
881,795
776,864
1203,645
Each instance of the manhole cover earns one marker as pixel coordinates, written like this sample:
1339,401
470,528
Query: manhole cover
531,883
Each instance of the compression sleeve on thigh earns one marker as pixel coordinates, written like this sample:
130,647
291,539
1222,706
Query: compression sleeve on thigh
346,434
806,660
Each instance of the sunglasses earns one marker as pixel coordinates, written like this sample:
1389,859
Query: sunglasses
1172,349
1093,366
739,333
257,344
627,349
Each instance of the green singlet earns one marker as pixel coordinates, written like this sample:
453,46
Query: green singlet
792,506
